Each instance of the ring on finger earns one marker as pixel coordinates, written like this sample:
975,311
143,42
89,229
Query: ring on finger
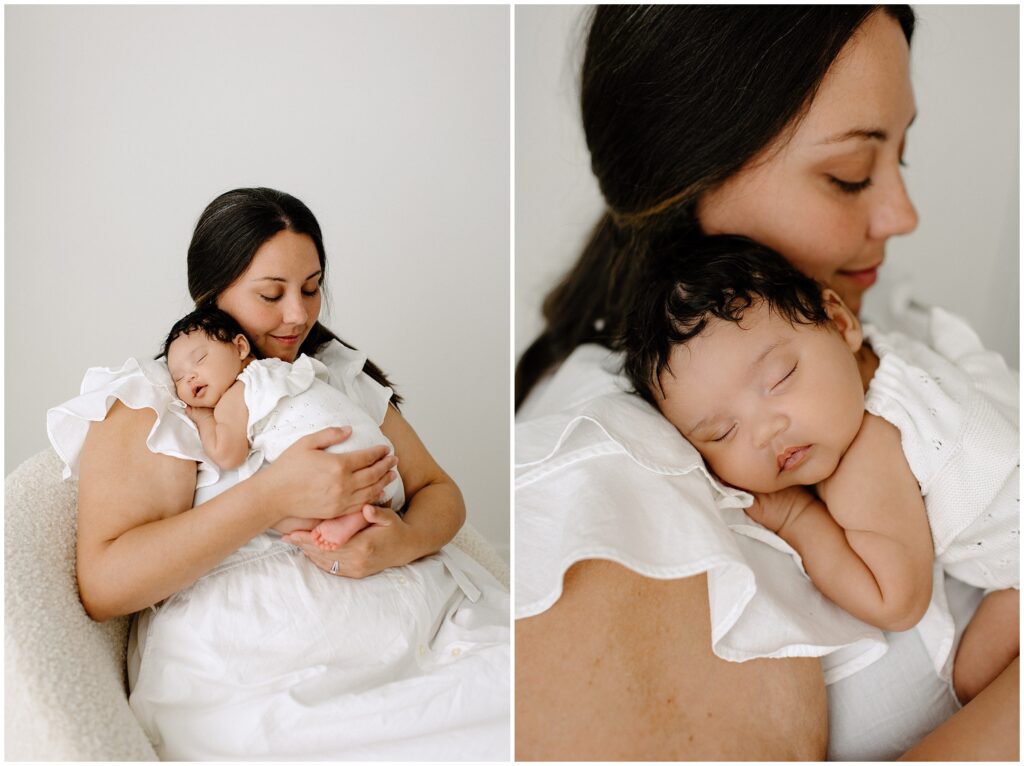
334,568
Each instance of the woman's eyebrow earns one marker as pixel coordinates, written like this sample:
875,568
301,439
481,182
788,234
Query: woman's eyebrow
867,134
282,279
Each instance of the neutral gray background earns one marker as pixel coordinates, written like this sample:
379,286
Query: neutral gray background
962,153
390,123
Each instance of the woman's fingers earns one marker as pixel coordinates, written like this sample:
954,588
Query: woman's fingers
382,517
365,553
326,437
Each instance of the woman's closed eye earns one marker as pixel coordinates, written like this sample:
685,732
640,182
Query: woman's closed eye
275,298
850,187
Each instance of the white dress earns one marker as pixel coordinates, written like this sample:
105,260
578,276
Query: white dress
268,658
957,410
601,474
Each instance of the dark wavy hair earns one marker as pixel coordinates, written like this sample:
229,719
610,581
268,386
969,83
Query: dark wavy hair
228,234
675,99
719,277
212,322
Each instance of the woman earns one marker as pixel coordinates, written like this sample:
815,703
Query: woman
786,125
250,650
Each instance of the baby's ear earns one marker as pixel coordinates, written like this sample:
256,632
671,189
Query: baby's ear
242,344
843,319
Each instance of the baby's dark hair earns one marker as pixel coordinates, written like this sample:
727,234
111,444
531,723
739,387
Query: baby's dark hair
211,321
719,277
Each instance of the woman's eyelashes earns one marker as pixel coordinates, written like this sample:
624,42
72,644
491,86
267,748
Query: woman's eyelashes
275,298
850,187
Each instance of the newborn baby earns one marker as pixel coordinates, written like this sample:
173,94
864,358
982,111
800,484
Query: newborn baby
868,453
248,410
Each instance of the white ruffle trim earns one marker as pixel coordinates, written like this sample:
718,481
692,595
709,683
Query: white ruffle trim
138,384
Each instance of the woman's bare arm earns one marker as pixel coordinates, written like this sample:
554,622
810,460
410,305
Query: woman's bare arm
435,510
986,729
621,667
139,539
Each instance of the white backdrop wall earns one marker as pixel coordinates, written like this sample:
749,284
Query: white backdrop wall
962,154
390,123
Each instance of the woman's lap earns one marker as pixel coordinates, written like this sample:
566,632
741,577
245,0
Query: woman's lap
274,658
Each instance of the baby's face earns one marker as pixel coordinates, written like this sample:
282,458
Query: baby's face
203,368
768,404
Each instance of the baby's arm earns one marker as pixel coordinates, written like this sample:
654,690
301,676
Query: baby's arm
223,428
870,550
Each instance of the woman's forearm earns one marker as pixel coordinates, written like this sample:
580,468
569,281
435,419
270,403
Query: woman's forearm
139,540
434,515
148,563
986,729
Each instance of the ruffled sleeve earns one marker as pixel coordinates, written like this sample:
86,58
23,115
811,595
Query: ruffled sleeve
345,366
138,384
267,381
607,477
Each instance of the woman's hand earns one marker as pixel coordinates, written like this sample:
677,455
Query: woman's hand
778,510
385,543
434,511
309,482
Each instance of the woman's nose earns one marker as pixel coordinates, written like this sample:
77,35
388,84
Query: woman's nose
895,213
294,312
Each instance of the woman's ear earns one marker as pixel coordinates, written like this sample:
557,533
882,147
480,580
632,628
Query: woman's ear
843,319
242,344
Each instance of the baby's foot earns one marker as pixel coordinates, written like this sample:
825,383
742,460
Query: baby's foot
331,534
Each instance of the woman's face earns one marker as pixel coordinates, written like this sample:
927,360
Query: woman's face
830,196
277,299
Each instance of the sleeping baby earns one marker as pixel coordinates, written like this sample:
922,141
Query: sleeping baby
249,410
869,453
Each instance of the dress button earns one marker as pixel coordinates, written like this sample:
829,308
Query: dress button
402,580
422,650
456,652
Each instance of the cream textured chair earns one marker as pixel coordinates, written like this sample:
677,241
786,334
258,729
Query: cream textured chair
65,677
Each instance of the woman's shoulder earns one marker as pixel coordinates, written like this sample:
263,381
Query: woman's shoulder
140,385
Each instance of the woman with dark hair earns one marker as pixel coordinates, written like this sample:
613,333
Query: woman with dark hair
654,619
242,648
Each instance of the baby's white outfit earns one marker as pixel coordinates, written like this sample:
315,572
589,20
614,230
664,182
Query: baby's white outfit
956,407
287,401
266,657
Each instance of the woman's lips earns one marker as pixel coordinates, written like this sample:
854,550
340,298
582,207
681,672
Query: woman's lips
793,457
864,277
287,340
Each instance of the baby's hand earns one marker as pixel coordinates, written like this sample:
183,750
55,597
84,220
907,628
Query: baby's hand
777,510
198,413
